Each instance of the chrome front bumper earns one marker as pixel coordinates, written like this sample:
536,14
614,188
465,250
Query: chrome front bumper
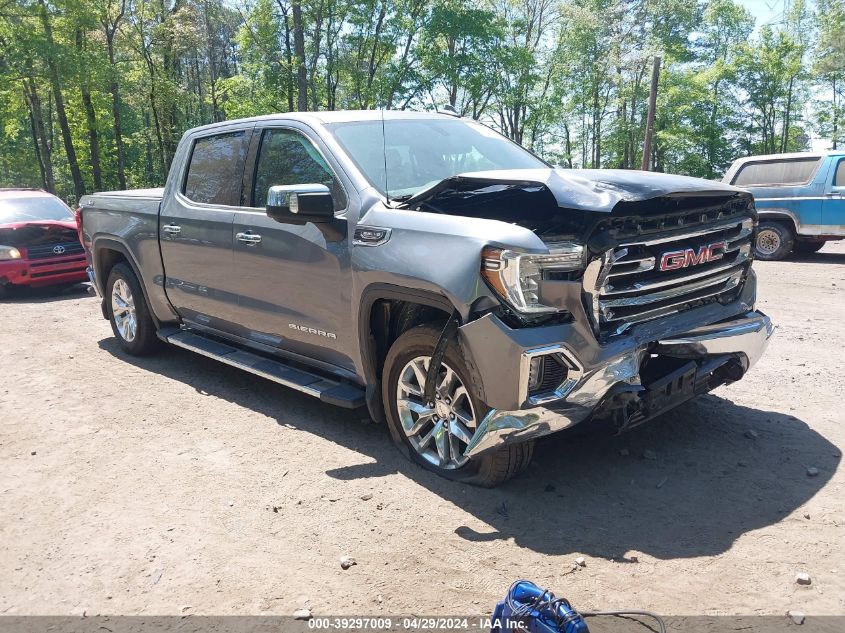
744,338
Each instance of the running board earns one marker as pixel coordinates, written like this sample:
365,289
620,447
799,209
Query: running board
326,389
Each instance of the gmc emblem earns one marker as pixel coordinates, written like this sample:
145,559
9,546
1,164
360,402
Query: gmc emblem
675,260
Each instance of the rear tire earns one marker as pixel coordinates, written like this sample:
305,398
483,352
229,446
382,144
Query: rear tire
774,241
128,312
436,437
808,247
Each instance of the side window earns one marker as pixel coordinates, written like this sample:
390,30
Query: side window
215,172
839,176
794,171
286,157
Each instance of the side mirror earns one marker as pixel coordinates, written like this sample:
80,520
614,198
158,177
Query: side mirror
298,204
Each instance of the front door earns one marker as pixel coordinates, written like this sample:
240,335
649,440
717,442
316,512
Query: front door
833,206
195,230
291,294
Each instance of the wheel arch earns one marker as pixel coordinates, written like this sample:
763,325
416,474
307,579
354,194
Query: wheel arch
784,216
385,311
106,254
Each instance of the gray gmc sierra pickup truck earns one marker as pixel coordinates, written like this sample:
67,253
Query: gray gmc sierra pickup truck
422,265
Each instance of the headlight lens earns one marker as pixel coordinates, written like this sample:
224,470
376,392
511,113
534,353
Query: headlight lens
516,276
9,252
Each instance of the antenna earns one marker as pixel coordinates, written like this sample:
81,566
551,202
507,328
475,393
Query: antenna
384,153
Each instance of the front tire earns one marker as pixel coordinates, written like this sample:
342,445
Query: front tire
774,241
436,436
128,312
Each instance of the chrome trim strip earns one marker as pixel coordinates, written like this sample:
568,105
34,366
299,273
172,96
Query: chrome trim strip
647,315
822,229
741,222
668,294
741,258
645,264
576,371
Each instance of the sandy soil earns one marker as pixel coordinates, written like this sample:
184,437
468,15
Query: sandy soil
175,485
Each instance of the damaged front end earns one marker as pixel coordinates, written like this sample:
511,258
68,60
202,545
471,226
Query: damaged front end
634,246
643,299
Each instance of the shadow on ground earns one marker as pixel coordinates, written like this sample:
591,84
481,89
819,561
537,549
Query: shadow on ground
686,485
817,258
43,294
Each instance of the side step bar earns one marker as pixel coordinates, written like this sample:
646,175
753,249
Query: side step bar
326,389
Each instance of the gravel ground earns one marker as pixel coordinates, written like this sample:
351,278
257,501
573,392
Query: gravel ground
174,485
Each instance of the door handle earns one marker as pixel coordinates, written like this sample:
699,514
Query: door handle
834,194
248,238
171,229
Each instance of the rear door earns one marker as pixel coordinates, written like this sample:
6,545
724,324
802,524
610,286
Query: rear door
195,229
833,206
292,293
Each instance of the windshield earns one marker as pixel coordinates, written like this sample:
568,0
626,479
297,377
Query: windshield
32,209
419,153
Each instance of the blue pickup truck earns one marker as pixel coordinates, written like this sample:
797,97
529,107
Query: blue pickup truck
798,197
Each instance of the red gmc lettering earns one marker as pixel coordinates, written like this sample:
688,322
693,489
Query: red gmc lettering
675,260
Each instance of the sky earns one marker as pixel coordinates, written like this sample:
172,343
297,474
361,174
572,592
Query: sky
765,11
771,12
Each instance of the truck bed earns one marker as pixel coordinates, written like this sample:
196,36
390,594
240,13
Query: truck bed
130,200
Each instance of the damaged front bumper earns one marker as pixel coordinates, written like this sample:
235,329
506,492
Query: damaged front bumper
630,381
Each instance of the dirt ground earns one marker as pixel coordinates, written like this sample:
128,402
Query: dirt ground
173,485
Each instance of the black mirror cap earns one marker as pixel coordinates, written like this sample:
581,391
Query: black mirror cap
300,204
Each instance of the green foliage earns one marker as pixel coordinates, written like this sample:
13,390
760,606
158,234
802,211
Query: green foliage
569,79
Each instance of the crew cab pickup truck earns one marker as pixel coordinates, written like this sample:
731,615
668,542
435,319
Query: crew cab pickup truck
798,199
419,264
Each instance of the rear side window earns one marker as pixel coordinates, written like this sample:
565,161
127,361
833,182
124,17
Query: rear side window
286,157
794,171
216,169
839,176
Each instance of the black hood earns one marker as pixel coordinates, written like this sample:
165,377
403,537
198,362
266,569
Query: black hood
582,189
566,203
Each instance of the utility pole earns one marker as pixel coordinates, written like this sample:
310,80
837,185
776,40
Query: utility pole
652,104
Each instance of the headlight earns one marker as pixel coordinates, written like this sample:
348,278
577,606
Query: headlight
516,276
9,252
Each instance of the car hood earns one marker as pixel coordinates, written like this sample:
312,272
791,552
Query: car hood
581,189
33,233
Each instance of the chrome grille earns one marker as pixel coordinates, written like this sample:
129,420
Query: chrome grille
627,285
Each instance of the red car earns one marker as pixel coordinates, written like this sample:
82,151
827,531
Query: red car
39,242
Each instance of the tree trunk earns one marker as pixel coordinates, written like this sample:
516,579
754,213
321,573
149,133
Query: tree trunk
78,184
42,144
784,139
299,49
835,115
288,52
115,109
90,116
148,149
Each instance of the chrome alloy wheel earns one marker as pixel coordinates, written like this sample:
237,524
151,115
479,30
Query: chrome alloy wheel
768,241
123,310
439,431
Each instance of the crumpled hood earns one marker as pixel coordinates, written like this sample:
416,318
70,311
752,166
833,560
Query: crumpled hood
583,189
39,232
